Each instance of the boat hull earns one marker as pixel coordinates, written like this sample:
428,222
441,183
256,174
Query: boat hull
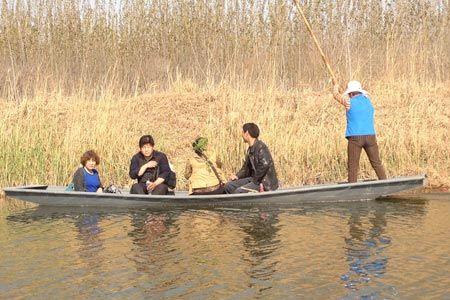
368,190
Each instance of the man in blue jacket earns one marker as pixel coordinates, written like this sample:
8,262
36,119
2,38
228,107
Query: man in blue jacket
360,132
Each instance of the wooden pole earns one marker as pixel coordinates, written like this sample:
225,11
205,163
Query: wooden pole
316,42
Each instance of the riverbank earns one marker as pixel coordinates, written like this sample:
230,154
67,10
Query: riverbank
43,137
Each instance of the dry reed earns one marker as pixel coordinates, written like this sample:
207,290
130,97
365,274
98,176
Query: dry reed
83,74
43,138
90,48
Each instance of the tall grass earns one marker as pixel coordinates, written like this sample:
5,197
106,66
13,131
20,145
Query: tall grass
98,74
133,46
43,138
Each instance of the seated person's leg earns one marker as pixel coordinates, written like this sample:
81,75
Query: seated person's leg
231,186
160,189
247,188
218,191
138,188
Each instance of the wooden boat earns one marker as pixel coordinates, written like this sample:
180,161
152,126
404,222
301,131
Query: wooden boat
365,190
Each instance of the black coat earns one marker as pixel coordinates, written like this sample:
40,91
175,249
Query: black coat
162,170
259,165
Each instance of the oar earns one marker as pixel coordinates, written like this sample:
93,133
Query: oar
322,54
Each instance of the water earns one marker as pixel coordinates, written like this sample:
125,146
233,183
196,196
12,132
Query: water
369,250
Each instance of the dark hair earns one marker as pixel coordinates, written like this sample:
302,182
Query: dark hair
354,93
252,129
146,139
88,155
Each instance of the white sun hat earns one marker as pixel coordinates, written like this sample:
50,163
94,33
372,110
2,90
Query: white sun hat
354,86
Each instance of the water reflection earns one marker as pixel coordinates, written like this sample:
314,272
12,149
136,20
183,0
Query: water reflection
148,226
152,253
89,229
90,247
365,247
367,242
342,248
260,242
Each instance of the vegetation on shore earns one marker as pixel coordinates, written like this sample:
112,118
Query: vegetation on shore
42,138
93,48
78,75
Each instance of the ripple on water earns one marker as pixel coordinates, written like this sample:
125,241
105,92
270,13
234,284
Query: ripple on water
369,250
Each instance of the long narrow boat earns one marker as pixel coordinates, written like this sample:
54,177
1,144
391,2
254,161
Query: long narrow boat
366,190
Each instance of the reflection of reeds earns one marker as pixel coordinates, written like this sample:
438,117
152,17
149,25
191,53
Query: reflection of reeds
10,205
42,139
76,46
99,77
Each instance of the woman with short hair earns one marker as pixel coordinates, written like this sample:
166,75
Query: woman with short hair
86,178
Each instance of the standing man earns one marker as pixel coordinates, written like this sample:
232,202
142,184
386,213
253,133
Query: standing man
258,172
150,168
360,132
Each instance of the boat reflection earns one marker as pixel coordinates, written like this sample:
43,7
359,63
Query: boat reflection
189,251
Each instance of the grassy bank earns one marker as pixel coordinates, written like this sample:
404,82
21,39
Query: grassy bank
42,138
98,74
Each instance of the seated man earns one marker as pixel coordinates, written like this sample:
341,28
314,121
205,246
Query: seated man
258,172
150,168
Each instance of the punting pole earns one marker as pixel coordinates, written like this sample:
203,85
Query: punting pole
316,42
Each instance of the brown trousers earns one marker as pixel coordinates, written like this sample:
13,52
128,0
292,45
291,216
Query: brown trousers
369,144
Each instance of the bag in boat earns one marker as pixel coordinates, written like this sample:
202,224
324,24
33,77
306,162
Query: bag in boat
172,178
70,187
112,189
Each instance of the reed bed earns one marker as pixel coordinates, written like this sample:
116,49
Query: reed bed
87,74
42,138
92,48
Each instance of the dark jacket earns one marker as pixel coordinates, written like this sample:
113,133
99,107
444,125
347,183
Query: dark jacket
259,165
151,174
78,181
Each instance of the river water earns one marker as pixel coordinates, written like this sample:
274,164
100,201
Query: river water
384,249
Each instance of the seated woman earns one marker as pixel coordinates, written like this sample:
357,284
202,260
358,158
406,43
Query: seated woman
203,172
86,178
